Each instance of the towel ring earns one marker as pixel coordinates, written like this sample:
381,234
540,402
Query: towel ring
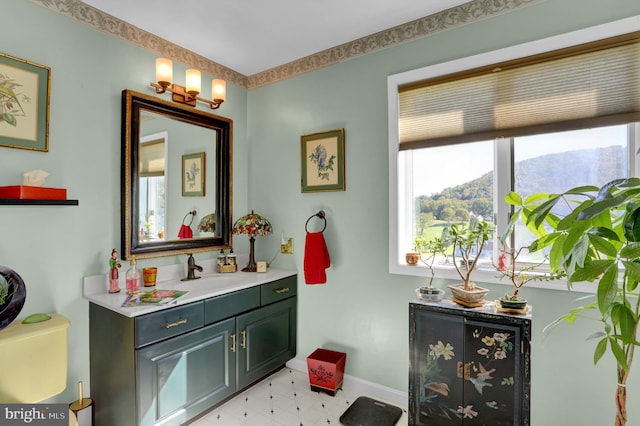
320,214
193,214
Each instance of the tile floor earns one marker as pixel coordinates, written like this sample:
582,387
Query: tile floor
284,399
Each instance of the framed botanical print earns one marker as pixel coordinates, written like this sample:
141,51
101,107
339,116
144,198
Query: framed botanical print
322,161
24,104
193,175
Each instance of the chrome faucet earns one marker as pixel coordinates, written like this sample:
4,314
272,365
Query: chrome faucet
191,268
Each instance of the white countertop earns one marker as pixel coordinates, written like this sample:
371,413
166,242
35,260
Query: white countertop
211,283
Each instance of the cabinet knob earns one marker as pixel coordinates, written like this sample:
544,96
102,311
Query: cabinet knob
233,343
282,290
459,370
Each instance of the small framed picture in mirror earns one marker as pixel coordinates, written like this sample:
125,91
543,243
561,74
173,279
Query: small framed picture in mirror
193,175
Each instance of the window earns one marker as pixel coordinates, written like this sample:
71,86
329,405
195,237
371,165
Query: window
152,170
152,202
486,135
557,162
452,183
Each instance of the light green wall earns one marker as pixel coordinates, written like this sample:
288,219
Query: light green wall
53,248
362,309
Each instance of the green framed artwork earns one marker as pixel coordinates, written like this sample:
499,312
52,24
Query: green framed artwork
322,159
193,175
24,104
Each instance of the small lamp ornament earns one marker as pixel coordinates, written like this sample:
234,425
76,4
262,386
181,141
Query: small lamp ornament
208,223
252,224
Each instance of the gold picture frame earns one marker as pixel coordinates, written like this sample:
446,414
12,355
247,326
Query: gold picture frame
24,104
322,161
193,175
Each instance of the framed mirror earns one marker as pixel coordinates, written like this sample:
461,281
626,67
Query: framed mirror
176,178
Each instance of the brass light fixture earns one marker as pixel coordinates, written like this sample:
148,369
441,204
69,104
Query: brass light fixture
187,95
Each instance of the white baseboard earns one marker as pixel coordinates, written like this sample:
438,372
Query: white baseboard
366,388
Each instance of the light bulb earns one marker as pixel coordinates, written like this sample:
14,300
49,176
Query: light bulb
193,82
164,71
218,90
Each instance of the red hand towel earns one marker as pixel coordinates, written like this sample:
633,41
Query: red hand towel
185,232
316,259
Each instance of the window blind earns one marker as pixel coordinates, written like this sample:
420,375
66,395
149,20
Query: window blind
152,158
590,85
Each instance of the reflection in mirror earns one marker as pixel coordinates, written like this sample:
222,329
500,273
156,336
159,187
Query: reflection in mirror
176,178
152,170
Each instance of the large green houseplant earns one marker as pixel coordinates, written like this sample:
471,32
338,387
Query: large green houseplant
597,238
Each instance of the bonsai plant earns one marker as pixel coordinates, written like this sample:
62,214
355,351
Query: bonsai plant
597,239
468,243
518,273
428,251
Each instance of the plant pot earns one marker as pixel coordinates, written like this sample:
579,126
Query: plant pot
469,298
16,295
412,258
430,294
519,303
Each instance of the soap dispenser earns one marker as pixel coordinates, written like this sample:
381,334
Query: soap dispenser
222,258
133,277
231,258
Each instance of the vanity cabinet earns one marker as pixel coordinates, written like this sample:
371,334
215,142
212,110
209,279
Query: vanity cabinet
167,367
468,366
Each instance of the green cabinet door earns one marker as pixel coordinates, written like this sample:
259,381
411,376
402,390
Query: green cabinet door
181,377
266,340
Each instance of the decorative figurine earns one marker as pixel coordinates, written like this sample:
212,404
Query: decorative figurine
114,264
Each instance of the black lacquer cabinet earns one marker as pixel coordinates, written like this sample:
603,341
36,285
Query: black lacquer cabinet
468,366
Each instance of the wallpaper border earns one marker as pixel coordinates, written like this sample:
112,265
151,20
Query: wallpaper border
447,19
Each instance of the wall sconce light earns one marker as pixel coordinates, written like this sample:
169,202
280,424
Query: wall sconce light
187,95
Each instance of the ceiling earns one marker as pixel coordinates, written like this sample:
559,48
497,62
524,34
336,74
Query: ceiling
251,36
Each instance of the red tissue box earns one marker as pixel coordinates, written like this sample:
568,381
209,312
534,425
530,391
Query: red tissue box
326,370
24,192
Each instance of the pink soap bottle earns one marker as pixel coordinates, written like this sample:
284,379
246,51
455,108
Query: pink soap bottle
133,277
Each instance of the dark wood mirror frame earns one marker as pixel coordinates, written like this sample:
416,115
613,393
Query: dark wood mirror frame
132,104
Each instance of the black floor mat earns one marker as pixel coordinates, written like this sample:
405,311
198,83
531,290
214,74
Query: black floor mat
369,412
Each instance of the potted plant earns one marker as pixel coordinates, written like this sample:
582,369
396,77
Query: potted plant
596,239
428,251
468,243
519,273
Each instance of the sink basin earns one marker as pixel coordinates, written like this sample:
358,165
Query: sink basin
208,282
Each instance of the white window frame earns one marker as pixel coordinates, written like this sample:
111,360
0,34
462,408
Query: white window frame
400,213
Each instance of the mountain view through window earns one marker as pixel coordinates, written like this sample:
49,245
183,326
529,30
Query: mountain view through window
451,184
